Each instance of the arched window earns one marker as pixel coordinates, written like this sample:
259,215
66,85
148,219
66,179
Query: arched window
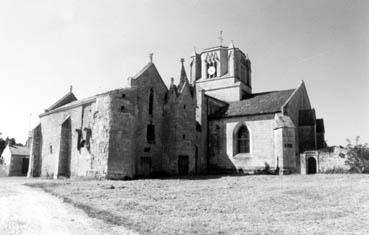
243,140
151,101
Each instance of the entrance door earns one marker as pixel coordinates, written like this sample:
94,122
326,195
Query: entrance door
145,166
311,165
65,149
25,164
183,165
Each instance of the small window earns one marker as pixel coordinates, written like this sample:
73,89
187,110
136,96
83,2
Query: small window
184,106
151,101
288,145
123,96
147,149
51,149
184,137
243,140
150,135
122,108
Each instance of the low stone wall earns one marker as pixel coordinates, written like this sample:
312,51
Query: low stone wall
328,160
331,160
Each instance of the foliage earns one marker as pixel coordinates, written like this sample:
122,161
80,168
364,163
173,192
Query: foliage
336,170
2,145
7,141
358,156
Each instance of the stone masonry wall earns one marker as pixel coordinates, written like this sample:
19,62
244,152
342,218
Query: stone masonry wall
86,160
333,160
184,132
145,150
222,144
35,161
299,101
122,160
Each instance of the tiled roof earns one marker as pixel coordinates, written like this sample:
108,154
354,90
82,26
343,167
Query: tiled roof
19,150
256,104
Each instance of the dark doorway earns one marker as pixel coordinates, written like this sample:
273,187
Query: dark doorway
311,165
65,149
145,166
183,165
196,159
25,164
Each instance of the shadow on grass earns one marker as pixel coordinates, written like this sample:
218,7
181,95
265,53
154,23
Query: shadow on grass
92,212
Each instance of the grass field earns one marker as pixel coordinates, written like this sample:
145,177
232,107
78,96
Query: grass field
294,204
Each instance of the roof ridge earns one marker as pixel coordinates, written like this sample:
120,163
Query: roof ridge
148,65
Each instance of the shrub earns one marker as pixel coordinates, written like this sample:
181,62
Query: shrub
336,170
358,157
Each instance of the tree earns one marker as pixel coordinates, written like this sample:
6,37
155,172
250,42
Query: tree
357,156
2,145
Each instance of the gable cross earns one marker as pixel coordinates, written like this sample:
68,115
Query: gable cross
221,37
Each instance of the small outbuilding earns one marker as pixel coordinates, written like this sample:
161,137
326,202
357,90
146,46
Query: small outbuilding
15,160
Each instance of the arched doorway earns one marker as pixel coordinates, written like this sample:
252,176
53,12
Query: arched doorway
65,151
311,165
183,165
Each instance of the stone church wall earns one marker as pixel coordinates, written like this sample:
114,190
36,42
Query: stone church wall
35,162
149,154
298,101
51,131
202,130
222,144
89,124
185,132
122,162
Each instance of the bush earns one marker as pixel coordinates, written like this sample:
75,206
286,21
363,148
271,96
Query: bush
358,157
336,170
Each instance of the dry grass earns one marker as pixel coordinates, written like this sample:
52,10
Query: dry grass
295,204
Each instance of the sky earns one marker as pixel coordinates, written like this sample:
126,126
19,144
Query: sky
93,45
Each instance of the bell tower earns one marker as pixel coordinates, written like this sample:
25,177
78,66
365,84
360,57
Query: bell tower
225,73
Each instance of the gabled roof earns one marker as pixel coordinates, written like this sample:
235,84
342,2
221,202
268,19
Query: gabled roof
66,99
69,105
143,70
256,104
19,150
146,67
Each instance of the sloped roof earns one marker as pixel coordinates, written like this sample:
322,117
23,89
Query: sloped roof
256,104
19,150
66,99
146,68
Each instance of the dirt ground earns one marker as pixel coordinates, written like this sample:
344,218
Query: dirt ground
294,204
24,210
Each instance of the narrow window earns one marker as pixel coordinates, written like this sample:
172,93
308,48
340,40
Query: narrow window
184,106
184,137
122,108
51,149
243,140
150,135
151,101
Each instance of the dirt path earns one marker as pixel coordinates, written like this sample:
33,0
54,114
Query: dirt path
25,210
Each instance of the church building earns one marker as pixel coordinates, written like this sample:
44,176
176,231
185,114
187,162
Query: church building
211,122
